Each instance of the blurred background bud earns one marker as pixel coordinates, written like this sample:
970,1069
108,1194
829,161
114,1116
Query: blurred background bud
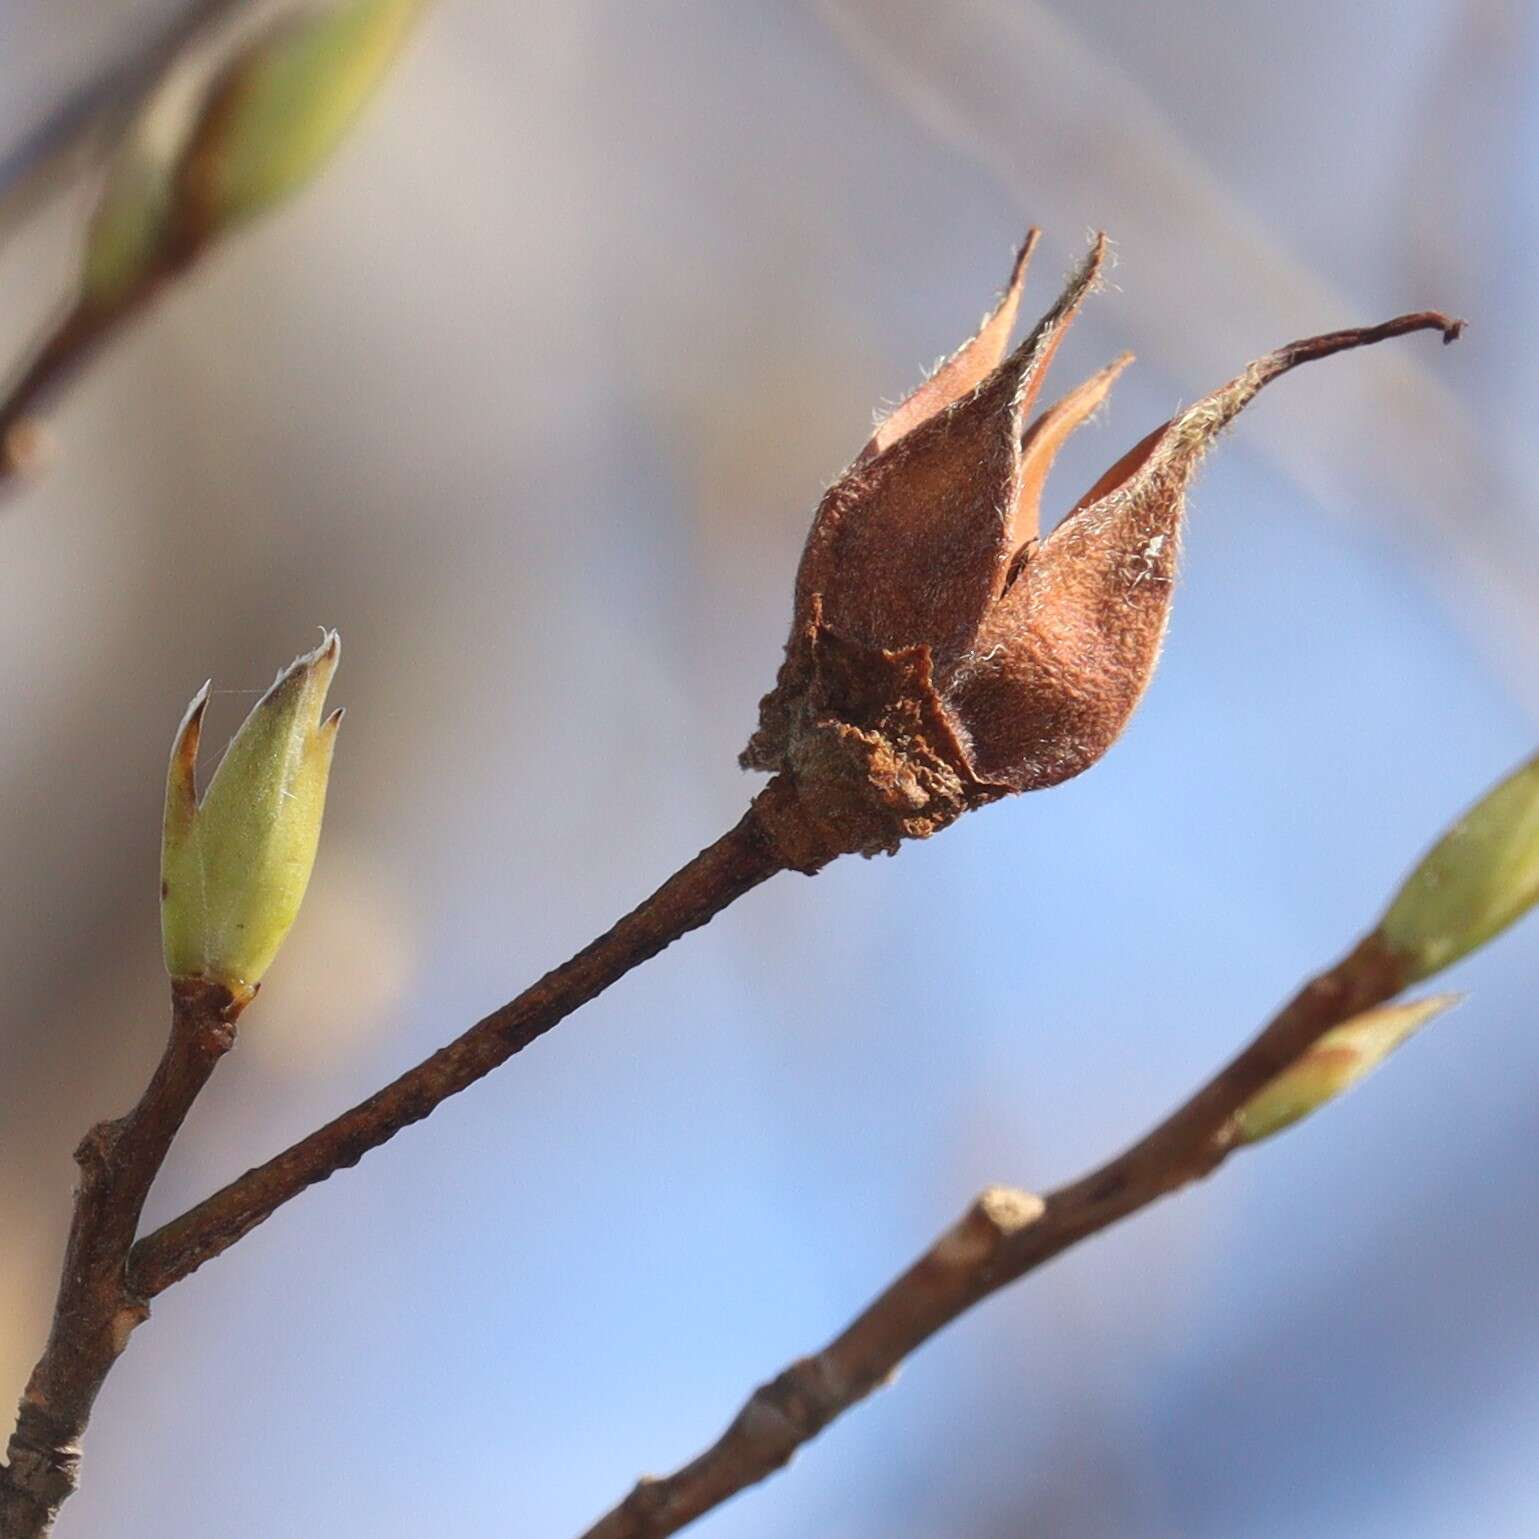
127,232
230,128
126,242
280,109
1480,877
1335,1063
234,868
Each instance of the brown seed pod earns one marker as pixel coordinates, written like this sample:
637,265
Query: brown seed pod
939,656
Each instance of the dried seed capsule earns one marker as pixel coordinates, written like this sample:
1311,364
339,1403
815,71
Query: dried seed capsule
940,657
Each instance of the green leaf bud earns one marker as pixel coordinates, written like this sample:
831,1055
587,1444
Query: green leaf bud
234,867
1480,877
1336,1062
128,239
278,112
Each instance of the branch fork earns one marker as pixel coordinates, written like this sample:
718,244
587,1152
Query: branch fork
98,1308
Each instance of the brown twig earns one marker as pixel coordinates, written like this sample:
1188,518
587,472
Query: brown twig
1003,1236
97,1308
66,348
109,1281
73,341
28,177
720,874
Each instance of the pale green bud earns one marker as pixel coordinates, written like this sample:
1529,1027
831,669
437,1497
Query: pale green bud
234,868
127,244
1335,1063
203,157
127,231
1480,877
279,111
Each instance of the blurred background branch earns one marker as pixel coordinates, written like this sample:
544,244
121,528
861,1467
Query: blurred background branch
231,126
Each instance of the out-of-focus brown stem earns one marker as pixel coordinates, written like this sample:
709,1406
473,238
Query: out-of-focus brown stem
97,1309
66,349
76,338
1002,1237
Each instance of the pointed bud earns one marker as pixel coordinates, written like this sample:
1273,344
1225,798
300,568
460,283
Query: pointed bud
1334,1064
281,109
126,238
234,868
940,658
1480,877
201,158
128,245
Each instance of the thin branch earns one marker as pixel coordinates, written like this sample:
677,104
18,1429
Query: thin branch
1003,1236
75,337
88,321
66,348
97,1310
720,874
108,1280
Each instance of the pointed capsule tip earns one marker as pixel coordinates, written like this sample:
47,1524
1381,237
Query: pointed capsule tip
1023,255
1291,354
1095,258
958,375
1082,282
1108,375
1186,437
1032,358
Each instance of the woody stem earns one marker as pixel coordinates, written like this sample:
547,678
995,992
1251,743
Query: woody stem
97,1307
1004,1235
109,1281
716,877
